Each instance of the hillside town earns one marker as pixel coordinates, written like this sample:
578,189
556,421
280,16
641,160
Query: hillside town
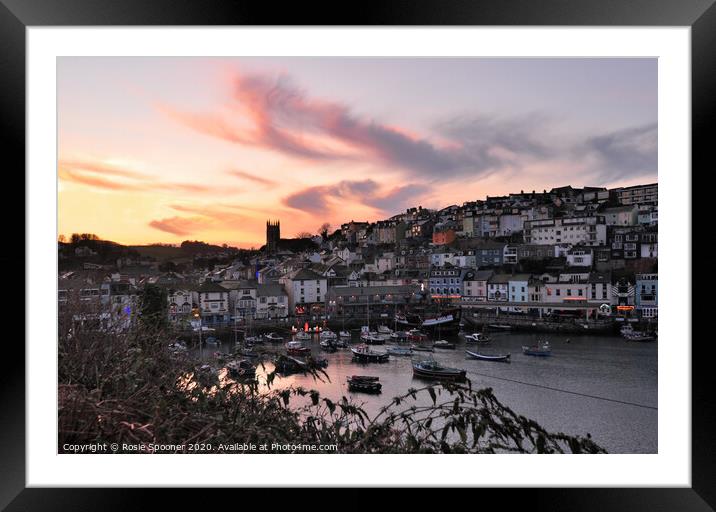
562,259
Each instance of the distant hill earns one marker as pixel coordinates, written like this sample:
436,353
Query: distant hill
160,253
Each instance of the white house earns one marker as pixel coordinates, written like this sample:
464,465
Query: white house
213,303
621,215
304,288
590,231
271,301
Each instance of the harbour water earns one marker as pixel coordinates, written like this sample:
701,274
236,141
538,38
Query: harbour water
601,385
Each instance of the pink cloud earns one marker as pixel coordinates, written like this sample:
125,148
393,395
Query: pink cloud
180,226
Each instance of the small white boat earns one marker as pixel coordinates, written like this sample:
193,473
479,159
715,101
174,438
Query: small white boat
477,337
344,334
272,336
327,334
372,338
297,348
384,329
302,336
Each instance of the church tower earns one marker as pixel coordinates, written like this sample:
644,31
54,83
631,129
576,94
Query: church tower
273,235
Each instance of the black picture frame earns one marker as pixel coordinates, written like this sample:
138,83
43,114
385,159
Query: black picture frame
17,15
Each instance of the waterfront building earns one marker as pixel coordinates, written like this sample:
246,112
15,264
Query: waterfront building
271,301
518,289
646,292
498,288
181,303
383,301
445,284
213,303
306,291
475,286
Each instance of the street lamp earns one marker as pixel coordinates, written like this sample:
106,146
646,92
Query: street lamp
197,314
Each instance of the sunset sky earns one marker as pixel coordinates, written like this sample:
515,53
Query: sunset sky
170,149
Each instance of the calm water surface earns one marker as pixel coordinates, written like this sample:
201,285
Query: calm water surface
603,367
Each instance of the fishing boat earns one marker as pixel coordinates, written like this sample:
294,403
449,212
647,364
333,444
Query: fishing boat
253,340
372,338
247,352
339,343
364,354
542,349
434,370
488,357
327,334
241,369
444,344
384,329
399,336
630,334
316,362
297,348
447,320
416,335
287,364
399,351
273,337
302,336
328,346
477,337
421,348
344,334
364,384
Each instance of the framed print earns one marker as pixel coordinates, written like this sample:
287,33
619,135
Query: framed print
292,249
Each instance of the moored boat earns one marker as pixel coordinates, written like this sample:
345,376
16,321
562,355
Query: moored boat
399,351
364,384
542,349
344,334
327,334
500,327
241,369
630,334
444,344
434,370
372,338
421,348
273,337
488,357
364,354
399,336
416,335
328,346
477,337
302,336
384,329
297,348
287,364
